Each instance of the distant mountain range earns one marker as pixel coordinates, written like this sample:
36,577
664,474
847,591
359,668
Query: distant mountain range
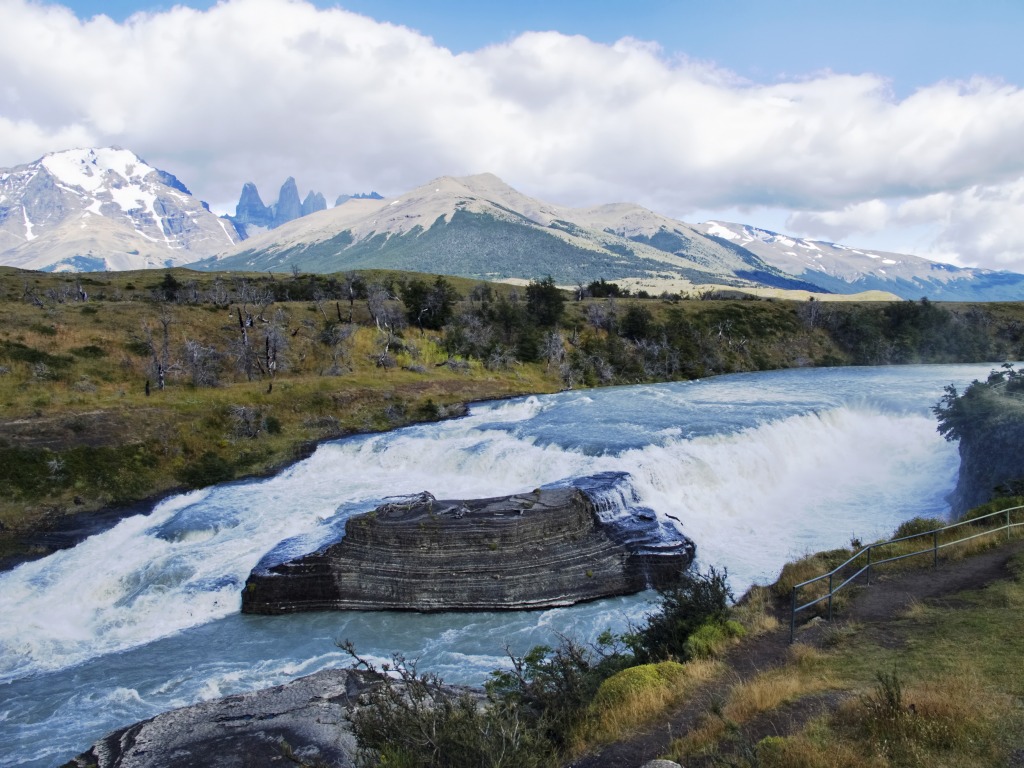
842,269
478,226
96,209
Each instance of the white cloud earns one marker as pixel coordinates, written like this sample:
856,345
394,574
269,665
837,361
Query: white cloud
977,227
263,89
868,216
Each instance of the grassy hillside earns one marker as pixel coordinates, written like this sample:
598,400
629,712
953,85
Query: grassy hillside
115,387
79,431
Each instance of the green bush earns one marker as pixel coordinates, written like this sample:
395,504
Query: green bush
414,720
696,599
631,682
624,685
90,352
208,469
996,505
711,638
918,525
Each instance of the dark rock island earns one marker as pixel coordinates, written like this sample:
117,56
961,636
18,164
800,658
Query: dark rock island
551,547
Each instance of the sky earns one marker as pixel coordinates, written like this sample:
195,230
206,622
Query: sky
894,125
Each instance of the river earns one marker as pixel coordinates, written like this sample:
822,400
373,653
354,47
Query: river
755,468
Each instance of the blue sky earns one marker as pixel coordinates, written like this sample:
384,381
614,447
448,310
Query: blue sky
890,125
911,42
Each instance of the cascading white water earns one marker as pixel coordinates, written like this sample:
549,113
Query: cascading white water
754,468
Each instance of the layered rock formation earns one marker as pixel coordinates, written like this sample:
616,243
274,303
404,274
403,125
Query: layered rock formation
551,547
308,714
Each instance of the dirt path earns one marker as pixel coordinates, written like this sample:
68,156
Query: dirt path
887,598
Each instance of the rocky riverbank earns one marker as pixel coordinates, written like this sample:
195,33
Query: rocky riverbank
255,730
551,547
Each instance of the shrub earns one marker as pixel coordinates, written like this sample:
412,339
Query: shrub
915,526
550,688
413,720
696,599
90,352
208,469
711,638
635,682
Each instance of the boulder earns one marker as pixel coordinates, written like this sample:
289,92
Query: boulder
308,715
547,548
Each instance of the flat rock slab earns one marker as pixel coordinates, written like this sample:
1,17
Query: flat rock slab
244,731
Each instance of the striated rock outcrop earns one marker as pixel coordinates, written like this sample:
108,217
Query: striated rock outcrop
551,547
308,714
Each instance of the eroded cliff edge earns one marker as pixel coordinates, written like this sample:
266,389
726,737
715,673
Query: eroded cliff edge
551,547
987,419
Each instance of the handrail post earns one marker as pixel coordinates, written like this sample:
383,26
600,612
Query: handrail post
1008,529
869,566
935,549
792,617
830,597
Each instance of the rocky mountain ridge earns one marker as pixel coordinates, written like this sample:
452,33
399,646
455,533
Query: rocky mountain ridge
106,209
478,226
252,217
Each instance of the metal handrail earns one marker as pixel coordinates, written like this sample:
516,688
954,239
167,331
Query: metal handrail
868,551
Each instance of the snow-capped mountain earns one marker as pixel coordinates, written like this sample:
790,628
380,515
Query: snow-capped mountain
95,209
842,269
478,226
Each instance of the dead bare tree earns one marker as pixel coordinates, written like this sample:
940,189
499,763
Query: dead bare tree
32,297
352,287
247,420
319,297
218,293
338,339
160,351
202,363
